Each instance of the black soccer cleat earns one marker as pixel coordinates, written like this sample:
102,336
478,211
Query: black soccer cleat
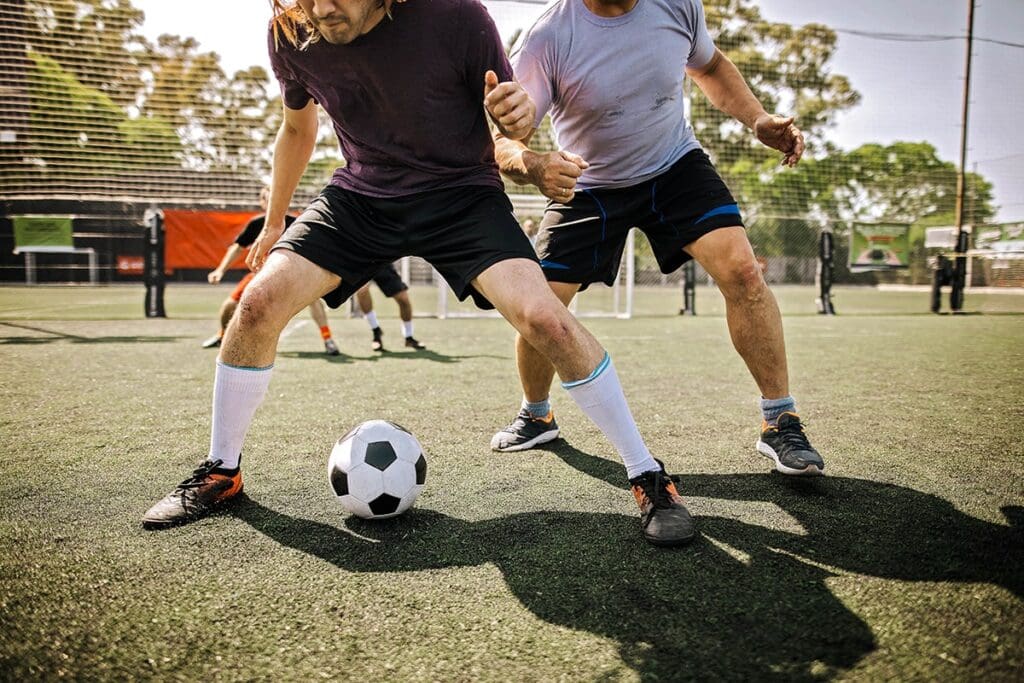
664,519
526,431
378,340
207,489
213,342
412,343
788,446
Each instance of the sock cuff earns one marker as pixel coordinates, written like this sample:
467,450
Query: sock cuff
243,379
601,367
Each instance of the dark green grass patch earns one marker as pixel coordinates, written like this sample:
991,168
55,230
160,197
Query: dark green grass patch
904,563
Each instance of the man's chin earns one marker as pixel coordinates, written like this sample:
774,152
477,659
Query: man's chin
336,37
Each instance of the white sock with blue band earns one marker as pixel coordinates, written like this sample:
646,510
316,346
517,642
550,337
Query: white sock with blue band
237,393
600,397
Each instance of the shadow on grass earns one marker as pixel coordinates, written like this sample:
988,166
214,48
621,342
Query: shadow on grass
425,355
857,525
744,601
75,338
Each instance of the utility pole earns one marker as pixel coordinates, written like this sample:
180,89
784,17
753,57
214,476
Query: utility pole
962,238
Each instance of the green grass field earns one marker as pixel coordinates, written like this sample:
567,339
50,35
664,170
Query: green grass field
905,563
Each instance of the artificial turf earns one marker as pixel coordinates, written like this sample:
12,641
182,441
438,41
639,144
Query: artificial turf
905,563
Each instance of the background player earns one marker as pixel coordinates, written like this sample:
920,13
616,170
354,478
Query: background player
227,309
391,284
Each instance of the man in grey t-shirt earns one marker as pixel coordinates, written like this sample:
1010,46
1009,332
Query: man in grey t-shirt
610,72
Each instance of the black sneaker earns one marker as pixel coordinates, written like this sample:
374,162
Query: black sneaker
330,348
664,519
787,445
526,431
207,489
378,340
213,342
413,343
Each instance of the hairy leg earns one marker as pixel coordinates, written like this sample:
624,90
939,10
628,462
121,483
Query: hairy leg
535,371
518,290
752,313
285,285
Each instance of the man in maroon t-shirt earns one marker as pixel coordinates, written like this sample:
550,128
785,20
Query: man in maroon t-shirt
403,85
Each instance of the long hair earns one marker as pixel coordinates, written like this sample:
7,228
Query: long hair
291,22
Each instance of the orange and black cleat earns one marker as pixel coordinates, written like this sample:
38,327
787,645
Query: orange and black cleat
207,489
665,520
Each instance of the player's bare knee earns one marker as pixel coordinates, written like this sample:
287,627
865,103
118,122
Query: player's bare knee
542,325
743,281
256,310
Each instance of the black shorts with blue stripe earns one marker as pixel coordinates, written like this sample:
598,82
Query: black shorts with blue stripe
581,241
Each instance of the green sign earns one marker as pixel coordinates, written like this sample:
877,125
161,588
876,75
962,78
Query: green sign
879,246
42,232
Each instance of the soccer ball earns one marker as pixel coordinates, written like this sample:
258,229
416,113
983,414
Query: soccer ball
377,470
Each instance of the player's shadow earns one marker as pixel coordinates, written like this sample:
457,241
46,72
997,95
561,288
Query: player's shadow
341,358
55,336
420,355
857,525
745,601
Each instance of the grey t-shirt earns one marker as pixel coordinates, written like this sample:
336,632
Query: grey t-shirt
614,85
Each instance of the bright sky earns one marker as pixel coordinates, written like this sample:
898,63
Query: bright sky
910,90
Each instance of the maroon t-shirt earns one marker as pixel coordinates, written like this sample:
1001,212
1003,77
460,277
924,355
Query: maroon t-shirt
406,98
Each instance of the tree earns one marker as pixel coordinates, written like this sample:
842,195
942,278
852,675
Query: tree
787,69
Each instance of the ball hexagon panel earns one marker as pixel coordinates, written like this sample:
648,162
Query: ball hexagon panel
356,507
365,482
399,478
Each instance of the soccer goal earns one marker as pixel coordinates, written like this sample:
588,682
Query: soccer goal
597,301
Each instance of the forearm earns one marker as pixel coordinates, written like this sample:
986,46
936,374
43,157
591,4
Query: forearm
230,255
292,151
725,87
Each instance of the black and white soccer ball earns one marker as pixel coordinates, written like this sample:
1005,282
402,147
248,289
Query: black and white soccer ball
377,470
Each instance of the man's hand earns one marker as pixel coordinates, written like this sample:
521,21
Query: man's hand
261,247
509,106
555,173
214,276
780,133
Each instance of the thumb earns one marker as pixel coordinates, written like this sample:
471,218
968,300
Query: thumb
574,159
490,82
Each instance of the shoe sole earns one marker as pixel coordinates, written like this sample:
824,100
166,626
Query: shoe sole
535,441
769,452
671,543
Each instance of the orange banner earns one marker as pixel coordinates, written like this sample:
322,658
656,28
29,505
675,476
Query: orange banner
198,239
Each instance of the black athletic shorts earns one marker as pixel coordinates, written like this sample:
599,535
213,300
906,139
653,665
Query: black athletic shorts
581,242
461,231
389,281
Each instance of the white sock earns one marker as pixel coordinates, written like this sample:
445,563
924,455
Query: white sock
237,393
600,397
407,328
371,318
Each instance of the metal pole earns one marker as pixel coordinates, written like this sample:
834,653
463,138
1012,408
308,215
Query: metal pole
956,297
